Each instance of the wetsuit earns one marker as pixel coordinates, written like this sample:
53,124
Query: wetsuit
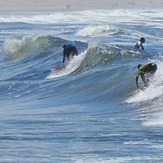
139,45
148,68
68,52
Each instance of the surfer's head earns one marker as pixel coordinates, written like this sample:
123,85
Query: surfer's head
142,40
139,65
64,46
153,67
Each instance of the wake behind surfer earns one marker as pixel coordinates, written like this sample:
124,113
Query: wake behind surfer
139,44
146,71
68,53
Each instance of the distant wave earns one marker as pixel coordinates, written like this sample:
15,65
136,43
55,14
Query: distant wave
98,30
81,16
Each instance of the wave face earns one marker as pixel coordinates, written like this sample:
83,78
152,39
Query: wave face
82,113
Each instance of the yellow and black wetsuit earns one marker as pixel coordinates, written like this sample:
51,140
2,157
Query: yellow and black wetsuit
145,69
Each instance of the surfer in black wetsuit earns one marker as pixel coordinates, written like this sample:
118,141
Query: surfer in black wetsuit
139,44
145,71
68,53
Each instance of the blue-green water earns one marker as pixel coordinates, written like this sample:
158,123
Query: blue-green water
83,113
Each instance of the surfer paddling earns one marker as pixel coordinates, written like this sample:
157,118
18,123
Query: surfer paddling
68,53
146,71
139,44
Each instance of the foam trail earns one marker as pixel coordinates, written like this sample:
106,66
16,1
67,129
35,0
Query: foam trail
155,89
157,120
73,65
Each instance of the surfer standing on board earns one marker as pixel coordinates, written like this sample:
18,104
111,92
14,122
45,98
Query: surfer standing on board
139,44
68,53
145,71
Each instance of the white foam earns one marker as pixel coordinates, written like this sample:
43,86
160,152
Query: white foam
117,159
151,100
155,119
155,89
18,48
96,30
90,17
72,66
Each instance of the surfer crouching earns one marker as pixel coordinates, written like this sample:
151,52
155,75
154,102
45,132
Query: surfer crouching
68,53
145,71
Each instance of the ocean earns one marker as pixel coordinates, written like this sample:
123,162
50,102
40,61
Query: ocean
81,114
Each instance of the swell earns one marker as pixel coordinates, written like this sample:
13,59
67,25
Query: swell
100,74
31,57
46,51
18,48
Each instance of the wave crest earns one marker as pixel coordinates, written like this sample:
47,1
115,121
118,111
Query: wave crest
19,48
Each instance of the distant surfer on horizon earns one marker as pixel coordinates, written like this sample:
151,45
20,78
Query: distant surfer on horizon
139,44
68,53
146,71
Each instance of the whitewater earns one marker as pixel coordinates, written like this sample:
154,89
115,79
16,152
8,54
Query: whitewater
82,113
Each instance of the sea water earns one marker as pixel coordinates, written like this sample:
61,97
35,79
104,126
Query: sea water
82,113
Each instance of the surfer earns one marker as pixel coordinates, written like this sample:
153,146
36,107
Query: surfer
68,53
145,71
139,44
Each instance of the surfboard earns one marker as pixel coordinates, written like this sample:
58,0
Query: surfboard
132,94
54,69
136,91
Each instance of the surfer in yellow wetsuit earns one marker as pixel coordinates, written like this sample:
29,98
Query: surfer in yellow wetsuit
145,71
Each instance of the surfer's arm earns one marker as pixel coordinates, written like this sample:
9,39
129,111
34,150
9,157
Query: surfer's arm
137,84
76,52
137,77
64,55
143,79
63,59
142,47
140,72
142,75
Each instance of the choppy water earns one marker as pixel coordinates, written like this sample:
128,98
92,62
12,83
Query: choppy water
83,113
